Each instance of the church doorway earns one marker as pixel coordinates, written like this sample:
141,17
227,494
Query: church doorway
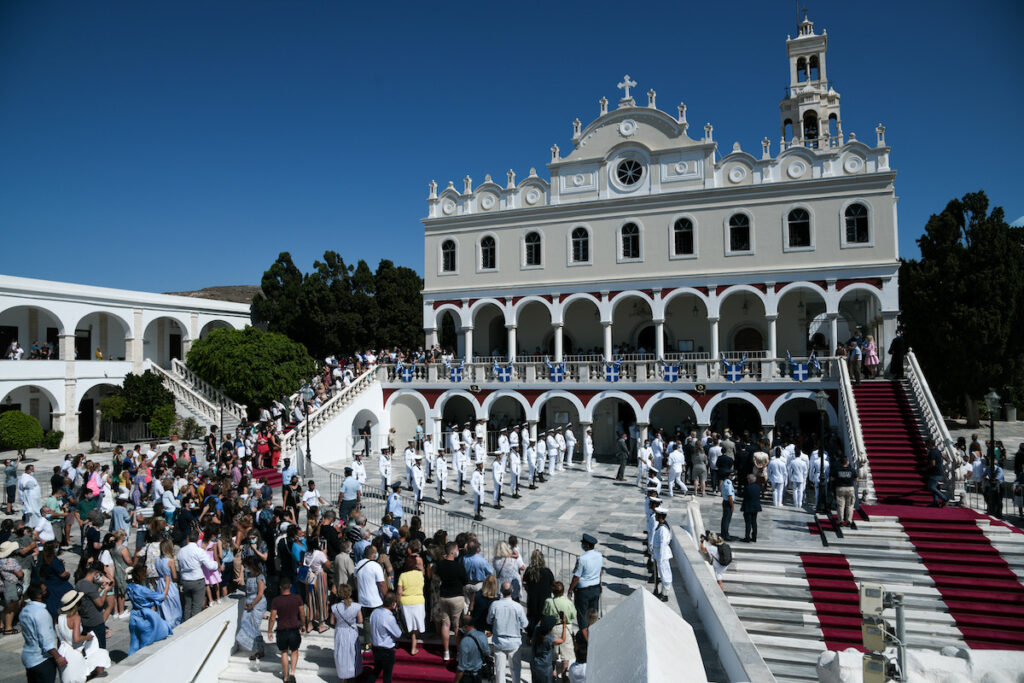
646,341
748,339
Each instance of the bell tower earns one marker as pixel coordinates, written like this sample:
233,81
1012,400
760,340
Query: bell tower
810,111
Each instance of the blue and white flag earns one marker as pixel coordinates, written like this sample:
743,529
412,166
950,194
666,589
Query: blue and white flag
611,371
734,371
404,373
814,362
798,370
556,372
455,374
671,372
502,374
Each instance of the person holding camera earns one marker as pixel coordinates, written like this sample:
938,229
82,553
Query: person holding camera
544,641
719,552
472,648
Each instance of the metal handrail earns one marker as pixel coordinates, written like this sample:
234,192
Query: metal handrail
210,652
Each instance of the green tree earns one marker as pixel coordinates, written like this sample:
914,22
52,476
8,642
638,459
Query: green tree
401,306
278,306
251,366
962,303
19,431
162,420
143,394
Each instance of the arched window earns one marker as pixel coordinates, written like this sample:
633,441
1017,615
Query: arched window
580,246
488,258
739,233
532,245
630,241
814,72
857,224
448,256
682,237
811,129
801,70
799,229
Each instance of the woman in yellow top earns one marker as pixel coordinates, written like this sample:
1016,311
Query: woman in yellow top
410,597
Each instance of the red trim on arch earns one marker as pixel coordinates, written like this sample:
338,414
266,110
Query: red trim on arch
439,304
761,286
874,282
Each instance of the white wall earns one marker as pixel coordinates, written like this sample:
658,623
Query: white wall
333,444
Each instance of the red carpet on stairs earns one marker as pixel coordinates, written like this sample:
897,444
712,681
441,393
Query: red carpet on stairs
426,667
836,599
984,596
273,476
896,451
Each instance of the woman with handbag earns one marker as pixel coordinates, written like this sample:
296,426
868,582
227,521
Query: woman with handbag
347,616
12,576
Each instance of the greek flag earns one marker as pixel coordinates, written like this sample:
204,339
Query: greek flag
799,370
814,363
671,372
734,371
611,371
455,374
405,373
503,374
557,372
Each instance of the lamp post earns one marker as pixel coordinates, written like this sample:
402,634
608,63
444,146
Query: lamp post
307,396
821,401
992,402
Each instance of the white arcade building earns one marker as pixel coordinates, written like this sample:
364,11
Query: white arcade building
98,335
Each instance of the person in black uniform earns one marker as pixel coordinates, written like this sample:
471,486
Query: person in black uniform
751,506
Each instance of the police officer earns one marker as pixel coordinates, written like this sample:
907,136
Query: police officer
585,588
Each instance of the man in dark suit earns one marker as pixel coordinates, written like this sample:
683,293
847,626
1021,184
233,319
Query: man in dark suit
622,452
751,506
898,350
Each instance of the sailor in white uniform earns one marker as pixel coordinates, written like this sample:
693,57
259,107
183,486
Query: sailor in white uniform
477,484
815,474
481,430
418,480
453,439
516,465
467,434
554,454
588,450
570,444
410,460
358,468
531,459
797,471
479,451
462,467
504,443
542,451
384,466
676,462
498,474
441,473
658,452
429,454
776,473
643,463
513,438
661,552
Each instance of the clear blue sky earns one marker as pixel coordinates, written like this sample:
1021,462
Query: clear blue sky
175,145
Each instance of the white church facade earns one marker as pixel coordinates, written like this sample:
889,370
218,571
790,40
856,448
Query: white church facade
650,252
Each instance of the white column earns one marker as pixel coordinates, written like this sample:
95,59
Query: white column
558,342
607,341
70,422
888,334
833,331
138,349
643,426
772,335
659,339
533,429
713,322
511,341
431,337
468,333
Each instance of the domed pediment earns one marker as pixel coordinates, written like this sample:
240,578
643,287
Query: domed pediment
645,126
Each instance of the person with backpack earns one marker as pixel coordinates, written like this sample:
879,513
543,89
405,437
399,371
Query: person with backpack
719,552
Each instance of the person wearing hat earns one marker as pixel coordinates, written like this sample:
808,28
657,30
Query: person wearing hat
441,474
562,447
516,468
359,468
498,475
643,463
481,429
588,449
504,445
467,434
715,547
586,579
462,466
531,459
454,442
409,456
513,438
479,451
81,650
661,553
419,479
384,467
394,505
429,456
476,483
554,455
728,501
542,454
39,655
570,444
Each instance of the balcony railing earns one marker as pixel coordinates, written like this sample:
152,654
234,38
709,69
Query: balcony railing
757,367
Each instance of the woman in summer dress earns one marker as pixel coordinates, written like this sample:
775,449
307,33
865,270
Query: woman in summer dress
347,616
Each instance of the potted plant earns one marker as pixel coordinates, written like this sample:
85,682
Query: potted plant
1014,396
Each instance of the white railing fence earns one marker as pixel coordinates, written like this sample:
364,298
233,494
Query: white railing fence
921,393
854,436
185,394
207,390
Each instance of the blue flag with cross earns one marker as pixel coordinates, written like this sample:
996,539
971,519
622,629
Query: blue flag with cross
734,371
404,372
556,372
502,374
797,370
671,372
612,371
455,373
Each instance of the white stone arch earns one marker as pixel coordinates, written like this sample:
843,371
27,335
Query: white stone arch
625,294
84,386
443,399
611,393
662,304
485,407
208,323
670,393
65,316
457,311
841,294
427,410
709,407
150,316
802,284
49,388
479,303
581,410
558,310
715,309
522,303
795,394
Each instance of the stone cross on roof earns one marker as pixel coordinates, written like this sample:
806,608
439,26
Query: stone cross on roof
625,86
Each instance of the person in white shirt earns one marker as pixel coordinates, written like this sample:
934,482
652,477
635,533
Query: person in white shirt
531,459
371,584
815,472
658,452
476,483
384,466
570,444
479,451
311,498
643,462
776,473
676,462
429,455
588,449
454,442
462,467
358,468
661,552
441,473
797,471
552,452
419,479
467,434
43,529
265,416
516,468
481,429
513,438
542,454
562,449
498,475
191,560
504,445
410,461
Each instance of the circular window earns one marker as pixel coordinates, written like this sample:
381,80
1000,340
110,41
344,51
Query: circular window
629,172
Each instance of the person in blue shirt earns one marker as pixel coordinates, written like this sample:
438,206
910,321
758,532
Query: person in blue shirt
472,646
586,579
39,655
728,502
288,471
395,503
349,496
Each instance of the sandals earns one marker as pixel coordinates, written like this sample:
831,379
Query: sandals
11,632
